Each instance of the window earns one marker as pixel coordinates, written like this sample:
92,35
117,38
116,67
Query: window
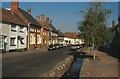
12,41
38,40
21,29
21,40
31,39
1,42
13,27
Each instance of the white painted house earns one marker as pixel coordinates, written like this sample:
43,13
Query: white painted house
72,38
13,34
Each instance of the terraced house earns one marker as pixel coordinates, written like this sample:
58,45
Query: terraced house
53,33
72,38
13,31
34,37
45,30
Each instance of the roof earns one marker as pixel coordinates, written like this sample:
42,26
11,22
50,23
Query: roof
53,28
29,17
45,25
71,35
7,15
60,34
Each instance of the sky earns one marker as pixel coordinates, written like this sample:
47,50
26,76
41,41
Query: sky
63,14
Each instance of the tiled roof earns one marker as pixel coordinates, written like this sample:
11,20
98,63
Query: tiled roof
29,17
45,25
71,35
60,34
10,17
53,28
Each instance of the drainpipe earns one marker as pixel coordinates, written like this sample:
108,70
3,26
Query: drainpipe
28,40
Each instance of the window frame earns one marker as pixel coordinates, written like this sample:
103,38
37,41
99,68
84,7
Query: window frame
11,41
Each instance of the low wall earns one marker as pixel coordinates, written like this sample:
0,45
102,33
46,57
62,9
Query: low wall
60,68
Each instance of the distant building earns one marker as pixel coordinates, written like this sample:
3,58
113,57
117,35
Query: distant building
60,37
72,38
53,38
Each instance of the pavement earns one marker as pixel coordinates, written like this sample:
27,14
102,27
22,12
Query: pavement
12,54
32,65
103,66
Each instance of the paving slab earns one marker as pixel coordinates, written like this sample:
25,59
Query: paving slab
103,66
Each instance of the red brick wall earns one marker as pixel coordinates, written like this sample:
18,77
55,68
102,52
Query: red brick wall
32,46
38,46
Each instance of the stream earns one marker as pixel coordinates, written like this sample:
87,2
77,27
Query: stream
74,70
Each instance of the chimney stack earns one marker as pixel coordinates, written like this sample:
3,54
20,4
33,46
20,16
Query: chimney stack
29,11
38,18
113,23
47,19
42,18
14,6
50,21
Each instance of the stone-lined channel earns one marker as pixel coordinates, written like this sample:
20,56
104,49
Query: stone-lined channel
75,67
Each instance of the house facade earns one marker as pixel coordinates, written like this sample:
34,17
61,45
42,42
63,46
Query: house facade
60,37
53,39
72,38
13,33
34,37
44,30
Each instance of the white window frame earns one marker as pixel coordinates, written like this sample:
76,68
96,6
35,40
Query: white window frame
1,42
21,29
12,43
13,27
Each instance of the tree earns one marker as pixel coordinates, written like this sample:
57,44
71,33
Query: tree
93,28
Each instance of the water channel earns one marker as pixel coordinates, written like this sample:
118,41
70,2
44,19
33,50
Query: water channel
74,70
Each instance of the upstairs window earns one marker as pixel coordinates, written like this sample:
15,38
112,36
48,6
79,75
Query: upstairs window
13,27
21,29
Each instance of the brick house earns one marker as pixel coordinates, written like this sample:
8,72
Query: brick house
60,37
13,33
53,39
34,37
45,30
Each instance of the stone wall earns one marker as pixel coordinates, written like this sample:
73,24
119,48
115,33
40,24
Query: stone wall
60,68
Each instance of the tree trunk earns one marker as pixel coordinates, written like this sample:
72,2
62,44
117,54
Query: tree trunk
94,54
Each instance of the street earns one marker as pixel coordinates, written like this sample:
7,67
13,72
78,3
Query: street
32,65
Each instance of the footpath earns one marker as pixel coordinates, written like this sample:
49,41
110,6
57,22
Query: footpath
104,66
11,54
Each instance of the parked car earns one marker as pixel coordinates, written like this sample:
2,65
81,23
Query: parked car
57,46
64,45
60,45
78,46
73,48
51,47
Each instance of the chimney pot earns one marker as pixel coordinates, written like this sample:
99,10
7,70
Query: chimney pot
29,10
50,21
47,19
38,18
113,23
42,18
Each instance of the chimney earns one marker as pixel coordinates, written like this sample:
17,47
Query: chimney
113,23
42,18
38,18
29,11
50,21
47,19
14,6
